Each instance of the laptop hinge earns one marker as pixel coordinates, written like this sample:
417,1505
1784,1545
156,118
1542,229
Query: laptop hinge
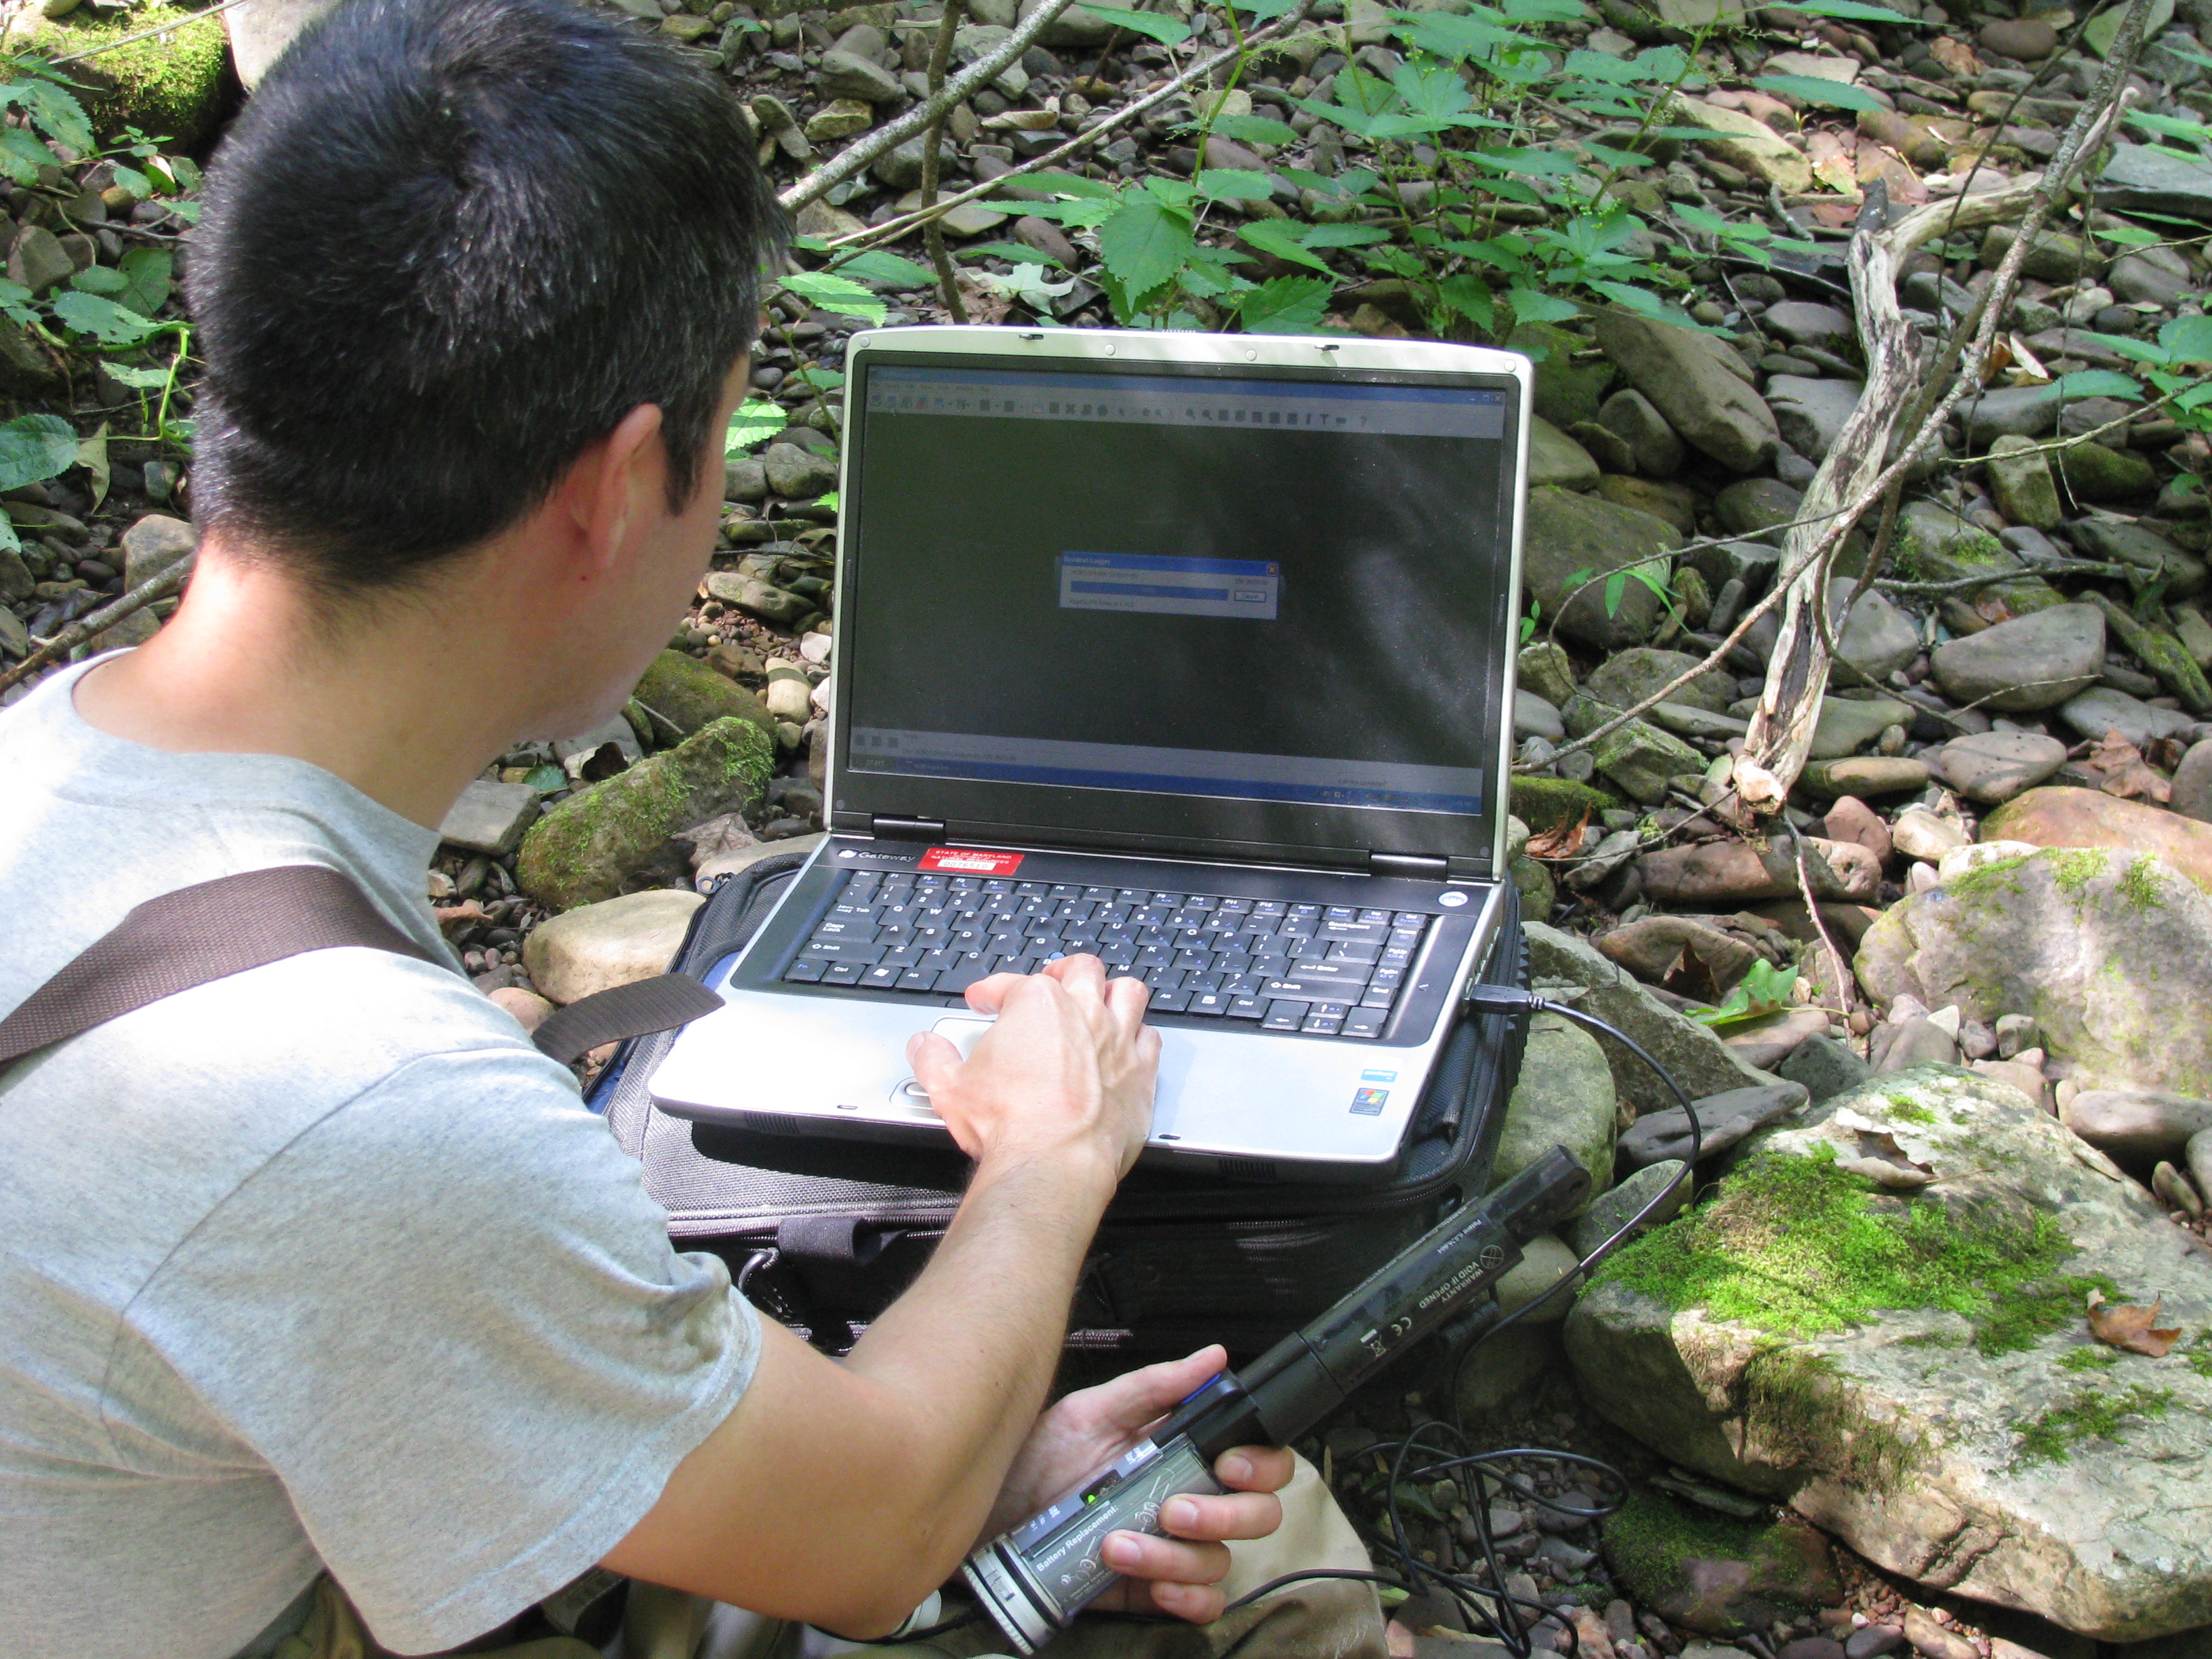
892,828
1418,866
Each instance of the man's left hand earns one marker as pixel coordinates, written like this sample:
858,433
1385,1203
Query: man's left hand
1176,1575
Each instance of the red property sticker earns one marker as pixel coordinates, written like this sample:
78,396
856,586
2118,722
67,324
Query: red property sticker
970,861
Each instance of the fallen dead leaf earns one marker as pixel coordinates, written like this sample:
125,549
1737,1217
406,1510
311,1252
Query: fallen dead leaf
2127,773
1878,1156
2126,1326
1832,162
453,915
712,839
1562,839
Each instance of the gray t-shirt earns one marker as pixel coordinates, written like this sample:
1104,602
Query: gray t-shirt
319,1266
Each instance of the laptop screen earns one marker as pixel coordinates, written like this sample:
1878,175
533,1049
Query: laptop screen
1245,587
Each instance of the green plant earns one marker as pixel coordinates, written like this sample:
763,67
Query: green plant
1763,989
2088,1414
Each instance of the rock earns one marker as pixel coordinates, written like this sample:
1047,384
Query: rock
1720,873
789,698
2053,256
1543,668
2099,33
1695,382
1748,144
2130,544
1686,956
1867,774
38,260
1535,718
845,75
731,860
1610,1212
2027,411
1809,415
1927,1402
596,947
1825,1067
2192,783
2101,709
1715,1575
1512,1362
1906,1045
2109,951
2031,662
1072,27
1920,834
1805,322
1754,507
260,32
2140,1126
1767,1042
1725,1119
758,598
490,817
1605,447
1656,451
2200,1162
616,837
530,1010
2138,178
1544,1262
1935,544
1933,1641
1638,758
1697,1059
2095,473
1661,498
1566,534
1872,1641
744,479
841,117
616,732
1566,391
1852,819
2137,279
1556,458
1684,721
1847,725
2089,817
1564,1097
1630,676
798,474
2029,40
690,696
153,544
1995,766
1812,1647
2020,478
1876,638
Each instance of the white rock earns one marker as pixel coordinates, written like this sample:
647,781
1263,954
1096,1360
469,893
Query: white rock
490,817
1920,834
1960,860
595,947
789,700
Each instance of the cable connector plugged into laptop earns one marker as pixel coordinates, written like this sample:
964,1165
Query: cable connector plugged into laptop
1481,998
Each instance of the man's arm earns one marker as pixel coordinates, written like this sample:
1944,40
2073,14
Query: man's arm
843,1493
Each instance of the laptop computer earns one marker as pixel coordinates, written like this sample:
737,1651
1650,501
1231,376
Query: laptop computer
1192,651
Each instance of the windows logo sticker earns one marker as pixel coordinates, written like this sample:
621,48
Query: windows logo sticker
1368,1102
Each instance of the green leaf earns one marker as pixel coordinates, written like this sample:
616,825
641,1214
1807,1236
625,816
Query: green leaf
546,779
2141,352
1255,130
1071,184
886,270
149,272
21,155
1635,299
1286,304
105,321
756,418
840,294
100,279
1470,297
54,111
9,541
1283,238
1529,306
1146,242
1344,236
132,180
1855,11
817,380
2132,235
1085,215
1812,90
35,447
1616,586
138,379
2188,339
15,303
1766,989
830,501
1530,163
1168,31
1018,253
2098,383
1234,185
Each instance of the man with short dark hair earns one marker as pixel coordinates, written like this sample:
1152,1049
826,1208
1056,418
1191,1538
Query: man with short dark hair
323,1291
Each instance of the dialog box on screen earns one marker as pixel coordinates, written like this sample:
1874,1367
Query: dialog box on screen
1249,588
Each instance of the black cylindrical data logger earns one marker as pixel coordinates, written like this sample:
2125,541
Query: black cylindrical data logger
1033,1579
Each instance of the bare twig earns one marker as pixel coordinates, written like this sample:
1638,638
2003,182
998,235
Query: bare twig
53,650
145,34
865,149
932,235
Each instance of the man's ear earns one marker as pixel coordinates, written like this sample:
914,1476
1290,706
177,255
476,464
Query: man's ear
611,489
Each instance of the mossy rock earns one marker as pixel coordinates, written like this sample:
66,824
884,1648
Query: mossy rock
1566,391
690,696
615,837
1715,1575
1564,1097
170,87
1874,1318
1544,803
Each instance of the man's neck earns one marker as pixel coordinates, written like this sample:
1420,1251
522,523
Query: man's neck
407,699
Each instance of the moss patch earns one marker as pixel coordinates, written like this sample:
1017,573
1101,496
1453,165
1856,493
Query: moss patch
1905,1109
1543,803
167,87
1656,1548
1997,876
2089,1359
2088,1414
2139,887
2073,868
1797,1247
1801,1409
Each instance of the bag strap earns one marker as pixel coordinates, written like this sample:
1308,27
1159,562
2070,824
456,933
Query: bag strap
214,929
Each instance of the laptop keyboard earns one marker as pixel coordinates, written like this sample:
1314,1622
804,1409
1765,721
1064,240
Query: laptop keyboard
1320,971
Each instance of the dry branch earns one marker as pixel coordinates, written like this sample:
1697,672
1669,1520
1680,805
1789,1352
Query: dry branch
154,588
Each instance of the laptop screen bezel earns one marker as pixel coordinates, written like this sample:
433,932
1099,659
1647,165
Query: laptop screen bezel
1138,820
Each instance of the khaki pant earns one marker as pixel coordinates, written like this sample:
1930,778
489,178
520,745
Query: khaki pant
1318,1619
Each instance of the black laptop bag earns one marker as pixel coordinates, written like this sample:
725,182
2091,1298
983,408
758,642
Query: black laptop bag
823,1233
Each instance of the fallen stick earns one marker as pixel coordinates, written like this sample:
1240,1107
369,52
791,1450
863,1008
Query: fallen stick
146,593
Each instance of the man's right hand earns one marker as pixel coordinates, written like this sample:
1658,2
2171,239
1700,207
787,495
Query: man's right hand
1069,1064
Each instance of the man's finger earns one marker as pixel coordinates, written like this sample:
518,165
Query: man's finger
1129,1401
933,1058
1127,1001
1082,974
988,996
1255,1468
1235,1515
1145,1555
